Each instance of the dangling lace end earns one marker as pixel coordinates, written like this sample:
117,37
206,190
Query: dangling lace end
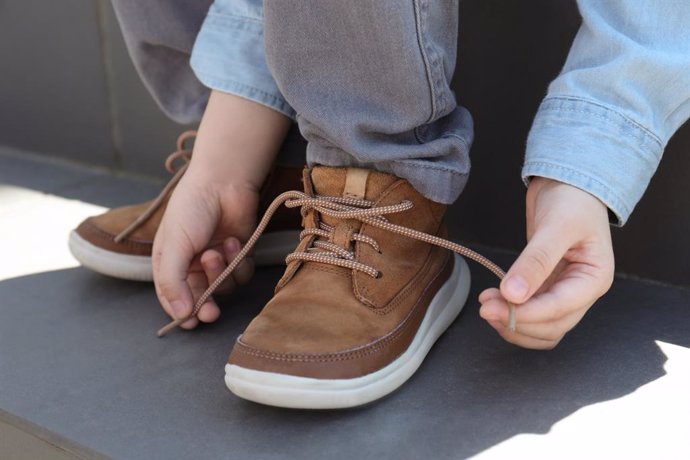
512,317
170,326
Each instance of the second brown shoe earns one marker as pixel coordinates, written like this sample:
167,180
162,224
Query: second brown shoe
362,300
119,242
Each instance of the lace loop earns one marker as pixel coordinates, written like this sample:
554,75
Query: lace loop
330,253
185,155
182,153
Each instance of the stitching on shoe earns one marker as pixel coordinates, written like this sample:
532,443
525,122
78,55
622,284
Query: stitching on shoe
397,299
110,236
400,296
395,302
366,350
361,292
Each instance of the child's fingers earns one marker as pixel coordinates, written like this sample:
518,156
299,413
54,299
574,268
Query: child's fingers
490,294
548,330
170,274
213,263
545,318
574,292
191,323
245,270
209,311
522,340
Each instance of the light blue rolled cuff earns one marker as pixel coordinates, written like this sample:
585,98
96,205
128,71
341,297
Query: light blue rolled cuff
228,56
595,148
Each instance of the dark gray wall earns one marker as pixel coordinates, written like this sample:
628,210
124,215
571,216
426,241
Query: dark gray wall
53,94
67,88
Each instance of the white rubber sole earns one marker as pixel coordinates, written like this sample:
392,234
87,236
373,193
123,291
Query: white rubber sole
136,268
309,393
270,249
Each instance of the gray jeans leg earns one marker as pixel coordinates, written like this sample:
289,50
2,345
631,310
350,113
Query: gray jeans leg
159,35
370,81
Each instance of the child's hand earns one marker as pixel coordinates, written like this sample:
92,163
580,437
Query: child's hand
199,235
213,207
567,265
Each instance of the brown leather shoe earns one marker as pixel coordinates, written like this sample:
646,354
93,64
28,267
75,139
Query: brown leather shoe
119,242
362,300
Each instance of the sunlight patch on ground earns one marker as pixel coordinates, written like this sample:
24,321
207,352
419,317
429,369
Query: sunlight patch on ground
34,228
653,422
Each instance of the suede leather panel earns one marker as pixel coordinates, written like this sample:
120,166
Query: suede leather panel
400,257
101,230
317,324
371,354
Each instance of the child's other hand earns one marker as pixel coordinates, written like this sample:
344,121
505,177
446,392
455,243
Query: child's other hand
566,266
199,235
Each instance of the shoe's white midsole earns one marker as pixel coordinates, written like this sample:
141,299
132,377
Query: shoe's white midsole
270,249
309,393
129,267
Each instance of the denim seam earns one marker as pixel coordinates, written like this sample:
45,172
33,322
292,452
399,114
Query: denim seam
423,165
444,136
434,61
425,58
223,16
223,80
418,163
617,199
459,138
465,145
627,120
238,27
225,84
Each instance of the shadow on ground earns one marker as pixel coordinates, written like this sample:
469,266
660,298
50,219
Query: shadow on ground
79,356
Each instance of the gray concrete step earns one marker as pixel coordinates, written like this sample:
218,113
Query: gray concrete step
79,358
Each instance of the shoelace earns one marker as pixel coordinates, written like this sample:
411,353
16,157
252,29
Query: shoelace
329,253
182,153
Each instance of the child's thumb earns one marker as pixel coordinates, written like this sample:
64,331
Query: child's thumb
534,265
170,271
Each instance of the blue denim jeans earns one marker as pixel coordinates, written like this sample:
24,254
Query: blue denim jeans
368,83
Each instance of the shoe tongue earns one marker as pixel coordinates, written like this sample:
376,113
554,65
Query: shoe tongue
347,182
350,182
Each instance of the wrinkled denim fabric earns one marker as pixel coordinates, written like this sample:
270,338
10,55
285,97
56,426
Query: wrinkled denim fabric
623,92
369,83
